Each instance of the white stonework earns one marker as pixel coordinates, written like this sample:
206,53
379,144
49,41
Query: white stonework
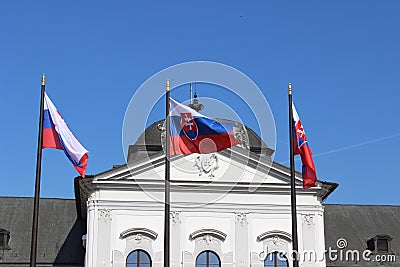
239,225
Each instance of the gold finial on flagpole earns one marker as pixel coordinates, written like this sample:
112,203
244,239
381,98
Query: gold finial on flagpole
43,78
167,85
290,88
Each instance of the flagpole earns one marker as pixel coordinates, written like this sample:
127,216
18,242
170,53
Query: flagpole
292,182
35,222
167,180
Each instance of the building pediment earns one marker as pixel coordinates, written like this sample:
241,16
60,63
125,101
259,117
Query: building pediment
235,165
234,170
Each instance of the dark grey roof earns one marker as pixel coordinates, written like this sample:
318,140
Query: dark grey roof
149,142
59,236
359,223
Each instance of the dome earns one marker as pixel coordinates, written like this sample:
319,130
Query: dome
149,142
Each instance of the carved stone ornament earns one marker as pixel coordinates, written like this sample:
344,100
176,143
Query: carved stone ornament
174,215
241,217
105,214
308,219
138,239
275,240
207,164
241,135
161,127
208,240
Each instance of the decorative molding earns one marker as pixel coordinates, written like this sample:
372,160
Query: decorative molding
207,164
175,216
105,214
162,128
275,240
208,240
275,235
241,135
138,234
207,233
138,240
241,217
308,219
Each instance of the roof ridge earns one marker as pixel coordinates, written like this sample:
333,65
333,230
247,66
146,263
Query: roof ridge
44,198
364,205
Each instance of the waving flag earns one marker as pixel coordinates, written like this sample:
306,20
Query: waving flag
191,132
56,134
302,147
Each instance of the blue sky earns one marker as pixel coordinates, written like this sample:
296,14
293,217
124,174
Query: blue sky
341,56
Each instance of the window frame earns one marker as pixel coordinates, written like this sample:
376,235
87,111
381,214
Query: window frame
207,258
138,263
374,242
275,257
6,239
386,244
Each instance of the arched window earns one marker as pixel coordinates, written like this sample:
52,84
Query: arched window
208,259
138,258
276,259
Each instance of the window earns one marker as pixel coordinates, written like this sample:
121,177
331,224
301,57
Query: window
208,259
379,244
4,238
276,259
138,258
382,245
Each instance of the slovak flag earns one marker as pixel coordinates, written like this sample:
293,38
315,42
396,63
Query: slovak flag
191,132
56,134
302,147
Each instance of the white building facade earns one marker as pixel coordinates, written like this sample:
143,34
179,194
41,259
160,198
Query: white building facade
231,208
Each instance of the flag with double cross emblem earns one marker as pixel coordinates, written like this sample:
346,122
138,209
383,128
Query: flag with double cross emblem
192,132
302,148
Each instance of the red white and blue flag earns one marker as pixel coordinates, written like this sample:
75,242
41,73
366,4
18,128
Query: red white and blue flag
302,147
56,134
192,132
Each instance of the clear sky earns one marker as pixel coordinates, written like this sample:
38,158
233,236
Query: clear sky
341,56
